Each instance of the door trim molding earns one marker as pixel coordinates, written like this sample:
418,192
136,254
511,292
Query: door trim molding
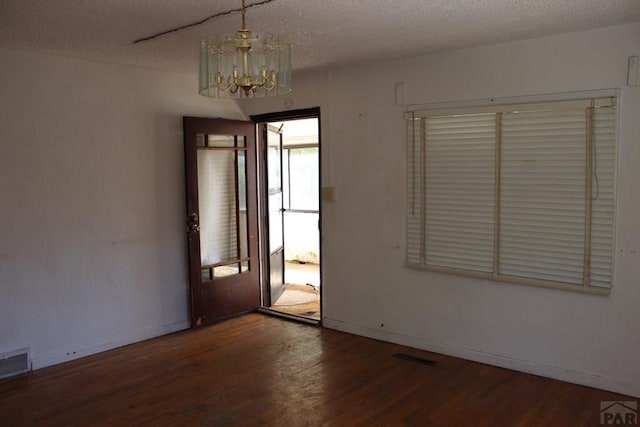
305,113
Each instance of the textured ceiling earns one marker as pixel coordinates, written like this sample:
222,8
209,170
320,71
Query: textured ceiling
324,32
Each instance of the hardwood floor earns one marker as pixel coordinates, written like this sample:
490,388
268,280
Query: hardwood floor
261,370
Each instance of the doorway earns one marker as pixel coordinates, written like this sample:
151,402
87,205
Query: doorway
289,172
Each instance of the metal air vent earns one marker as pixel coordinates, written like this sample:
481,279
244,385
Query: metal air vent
14,363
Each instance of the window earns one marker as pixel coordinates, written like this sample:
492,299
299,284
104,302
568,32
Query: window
301,177
517,193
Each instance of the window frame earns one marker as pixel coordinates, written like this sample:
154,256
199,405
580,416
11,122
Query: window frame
416,113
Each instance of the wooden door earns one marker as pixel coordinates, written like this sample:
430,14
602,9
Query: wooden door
222,220
275,209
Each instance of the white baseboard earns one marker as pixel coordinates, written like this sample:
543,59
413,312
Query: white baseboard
591,380
125,339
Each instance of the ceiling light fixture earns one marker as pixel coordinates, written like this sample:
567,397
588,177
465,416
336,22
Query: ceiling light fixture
253,65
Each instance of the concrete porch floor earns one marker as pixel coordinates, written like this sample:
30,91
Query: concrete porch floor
302,292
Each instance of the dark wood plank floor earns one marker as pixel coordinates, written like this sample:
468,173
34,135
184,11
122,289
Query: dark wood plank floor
261,370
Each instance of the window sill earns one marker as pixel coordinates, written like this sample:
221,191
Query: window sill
591,290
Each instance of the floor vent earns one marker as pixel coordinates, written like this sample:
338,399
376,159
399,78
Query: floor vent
14,363
414,359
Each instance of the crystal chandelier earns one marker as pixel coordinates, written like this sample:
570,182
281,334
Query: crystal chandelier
244,64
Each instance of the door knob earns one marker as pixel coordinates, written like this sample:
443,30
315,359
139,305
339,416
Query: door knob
193,224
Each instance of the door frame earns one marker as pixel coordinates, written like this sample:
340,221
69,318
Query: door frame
270,257
306,113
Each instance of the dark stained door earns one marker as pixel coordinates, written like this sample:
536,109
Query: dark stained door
275,209
222,220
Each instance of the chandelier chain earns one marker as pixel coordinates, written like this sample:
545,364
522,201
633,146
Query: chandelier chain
244,18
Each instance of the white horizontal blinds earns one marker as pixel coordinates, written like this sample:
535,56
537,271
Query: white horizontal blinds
542,195
217,205
555,192
415,146
459,191
603,190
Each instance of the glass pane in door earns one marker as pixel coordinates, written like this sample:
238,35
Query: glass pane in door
274,182
275,213
223,207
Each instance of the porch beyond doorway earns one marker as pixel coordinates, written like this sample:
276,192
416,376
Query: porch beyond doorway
301,294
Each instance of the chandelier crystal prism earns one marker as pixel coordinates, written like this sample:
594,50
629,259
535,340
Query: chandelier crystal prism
244,64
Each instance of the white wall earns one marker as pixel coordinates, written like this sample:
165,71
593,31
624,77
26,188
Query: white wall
586,339
301,237
92,244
